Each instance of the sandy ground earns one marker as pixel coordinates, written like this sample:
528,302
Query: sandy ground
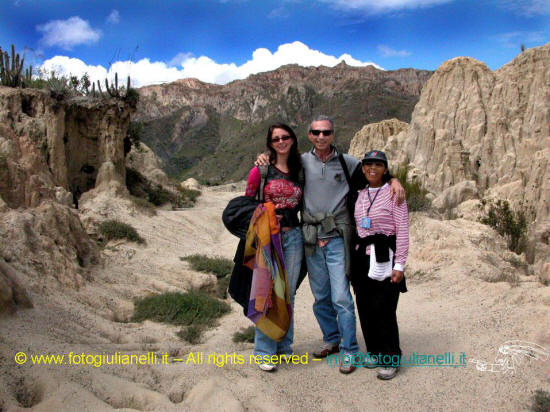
448,308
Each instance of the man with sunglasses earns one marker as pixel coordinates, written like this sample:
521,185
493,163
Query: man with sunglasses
327,229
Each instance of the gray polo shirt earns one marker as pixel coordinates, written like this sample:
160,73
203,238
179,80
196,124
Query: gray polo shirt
326,187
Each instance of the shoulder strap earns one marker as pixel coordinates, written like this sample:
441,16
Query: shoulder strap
345,168
263,178
302,177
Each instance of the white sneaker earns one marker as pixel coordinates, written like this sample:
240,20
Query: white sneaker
325,350
268,367
347,365
386,373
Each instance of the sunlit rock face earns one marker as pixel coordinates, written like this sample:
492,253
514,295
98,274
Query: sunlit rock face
477,133
51,153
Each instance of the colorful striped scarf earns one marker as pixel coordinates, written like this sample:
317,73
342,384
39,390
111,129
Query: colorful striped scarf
269,306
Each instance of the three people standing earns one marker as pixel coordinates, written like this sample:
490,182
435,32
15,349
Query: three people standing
332,180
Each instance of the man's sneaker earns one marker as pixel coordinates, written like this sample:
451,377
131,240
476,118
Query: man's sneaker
325,350
370,362
347,365
268,367
386,373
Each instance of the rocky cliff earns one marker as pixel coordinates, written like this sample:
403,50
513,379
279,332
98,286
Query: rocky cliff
52,155
478,133
214,132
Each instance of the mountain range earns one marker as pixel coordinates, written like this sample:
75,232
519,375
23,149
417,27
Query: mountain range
214,132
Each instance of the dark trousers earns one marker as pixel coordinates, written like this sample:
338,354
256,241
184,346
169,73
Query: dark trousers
377,305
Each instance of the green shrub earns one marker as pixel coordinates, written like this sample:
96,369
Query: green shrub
416,195
511,277
59,86
189,196
113,229
159,196
508,223
518,263
217,265
131,97
139,186
36,83
144,205
190,308
133,136
245,335
221,287
191,334
541,401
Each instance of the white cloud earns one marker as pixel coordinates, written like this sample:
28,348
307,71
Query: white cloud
114,17
389,52
179,58
379,6
142,72
263,60
527,7
145,72
279,12
66,66
514,39
68,33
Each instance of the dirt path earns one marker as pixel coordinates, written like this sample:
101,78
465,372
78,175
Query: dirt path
447,309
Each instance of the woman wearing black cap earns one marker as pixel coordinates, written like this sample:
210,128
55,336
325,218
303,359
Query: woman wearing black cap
379,255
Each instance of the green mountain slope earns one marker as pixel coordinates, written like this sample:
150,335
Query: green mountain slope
213,132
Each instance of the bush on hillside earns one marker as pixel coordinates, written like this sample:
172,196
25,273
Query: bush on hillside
191,334
541,401
510,224
245,335
114,229
139,186
217,265
190,308
189,196
416,194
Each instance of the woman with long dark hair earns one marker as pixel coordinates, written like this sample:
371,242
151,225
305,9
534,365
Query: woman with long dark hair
282,187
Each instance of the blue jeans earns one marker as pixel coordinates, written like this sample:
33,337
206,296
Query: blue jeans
333,306
293,253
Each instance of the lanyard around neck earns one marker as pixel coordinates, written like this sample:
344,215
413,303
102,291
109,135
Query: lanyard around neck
372,201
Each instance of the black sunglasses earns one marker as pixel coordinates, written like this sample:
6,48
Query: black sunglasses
323,132
278,139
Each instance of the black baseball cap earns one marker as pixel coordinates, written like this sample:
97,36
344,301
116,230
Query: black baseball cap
375,156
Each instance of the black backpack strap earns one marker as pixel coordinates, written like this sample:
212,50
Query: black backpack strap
352,196
263,178
345,168
302,178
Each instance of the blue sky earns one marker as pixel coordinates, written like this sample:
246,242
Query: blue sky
222,40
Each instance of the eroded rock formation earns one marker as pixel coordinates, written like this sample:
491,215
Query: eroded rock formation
51,152
478,133
142,158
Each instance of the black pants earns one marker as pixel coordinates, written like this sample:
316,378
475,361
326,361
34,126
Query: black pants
377,305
